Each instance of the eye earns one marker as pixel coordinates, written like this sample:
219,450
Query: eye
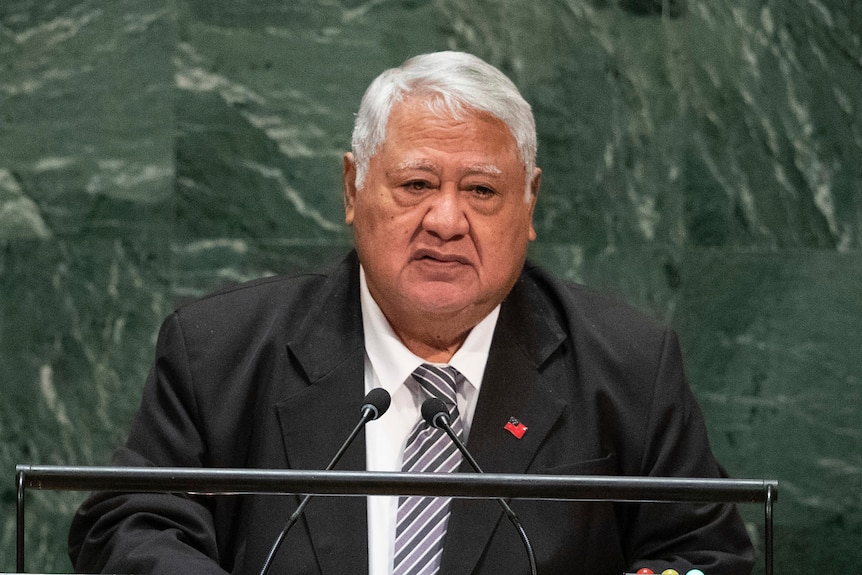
483,191
416,186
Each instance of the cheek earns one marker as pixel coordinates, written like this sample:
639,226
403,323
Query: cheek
370,216
383,234
503,244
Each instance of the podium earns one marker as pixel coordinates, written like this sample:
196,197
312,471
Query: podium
228,482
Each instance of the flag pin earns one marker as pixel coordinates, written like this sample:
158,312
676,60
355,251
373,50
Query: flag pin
515,427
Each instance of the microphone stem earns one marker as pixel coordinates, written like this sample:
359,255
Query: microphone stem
442,422
460,445
367,414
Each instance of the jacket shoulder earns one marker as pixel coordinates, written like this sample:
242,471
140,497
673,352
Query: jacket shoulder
282,299
585,311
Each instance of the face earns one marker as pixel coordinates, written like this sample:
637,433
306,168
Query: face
441,223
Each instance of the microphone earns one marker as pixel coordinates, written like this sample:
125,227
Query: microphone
436,414
374,405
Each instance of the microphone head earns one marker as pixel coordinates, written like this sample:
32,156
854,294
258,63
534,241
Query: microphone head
376,402
435,412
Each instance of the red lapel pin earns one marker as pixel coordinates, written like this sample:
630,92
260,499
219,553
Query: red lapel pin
515,427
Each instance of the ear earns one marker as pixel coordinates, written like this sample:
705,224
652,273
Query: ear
349,184
535,184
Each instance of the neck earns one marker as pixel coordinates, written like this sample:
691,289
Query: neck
434,347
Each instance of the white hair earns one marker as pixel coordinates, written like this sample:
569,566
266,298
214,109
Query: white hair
450,83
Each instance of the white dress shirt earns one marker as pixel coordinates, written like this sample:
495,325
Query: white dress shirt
388,364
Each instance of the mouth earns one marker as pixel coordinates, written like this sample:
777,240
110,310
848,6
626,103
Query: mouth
430,255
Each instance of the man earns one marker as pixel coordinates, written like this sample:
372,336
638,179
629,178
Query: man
543,377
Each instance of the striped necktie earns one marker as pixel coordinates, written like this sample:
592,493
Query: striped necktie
422,521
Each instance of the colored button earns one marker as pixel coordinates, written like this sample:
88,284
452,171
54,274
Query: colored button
670,572
695,572
646,571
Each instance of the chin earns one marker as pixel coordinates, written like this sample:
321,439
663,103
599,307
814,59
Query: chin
439,307
439,301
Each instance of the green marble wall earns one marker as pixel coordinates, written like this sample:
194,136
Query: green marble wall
702,159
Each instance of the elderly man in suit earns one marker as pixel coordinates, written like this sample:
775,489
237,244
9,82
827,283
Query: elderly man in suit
437,299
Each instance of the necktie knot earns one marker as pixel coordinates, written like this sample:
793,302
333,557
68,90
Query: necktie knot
439,381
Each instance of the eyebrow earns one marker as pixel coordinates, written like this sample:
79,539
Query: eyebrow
487,169
414,165
424,165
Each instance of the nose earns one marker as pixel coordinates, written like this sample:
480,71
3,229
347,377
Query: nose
446,217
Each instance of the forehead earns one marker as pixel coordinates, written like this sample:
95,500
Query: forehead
414,127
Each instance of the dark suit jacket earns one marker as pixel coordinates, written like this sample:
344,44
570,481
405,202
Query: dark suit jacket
270,375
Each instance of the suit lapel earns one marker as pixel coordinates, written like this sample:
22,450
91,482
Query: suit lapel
318,418
511,387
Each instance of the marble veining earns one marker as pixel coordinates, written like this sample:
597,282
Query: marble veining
701,160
